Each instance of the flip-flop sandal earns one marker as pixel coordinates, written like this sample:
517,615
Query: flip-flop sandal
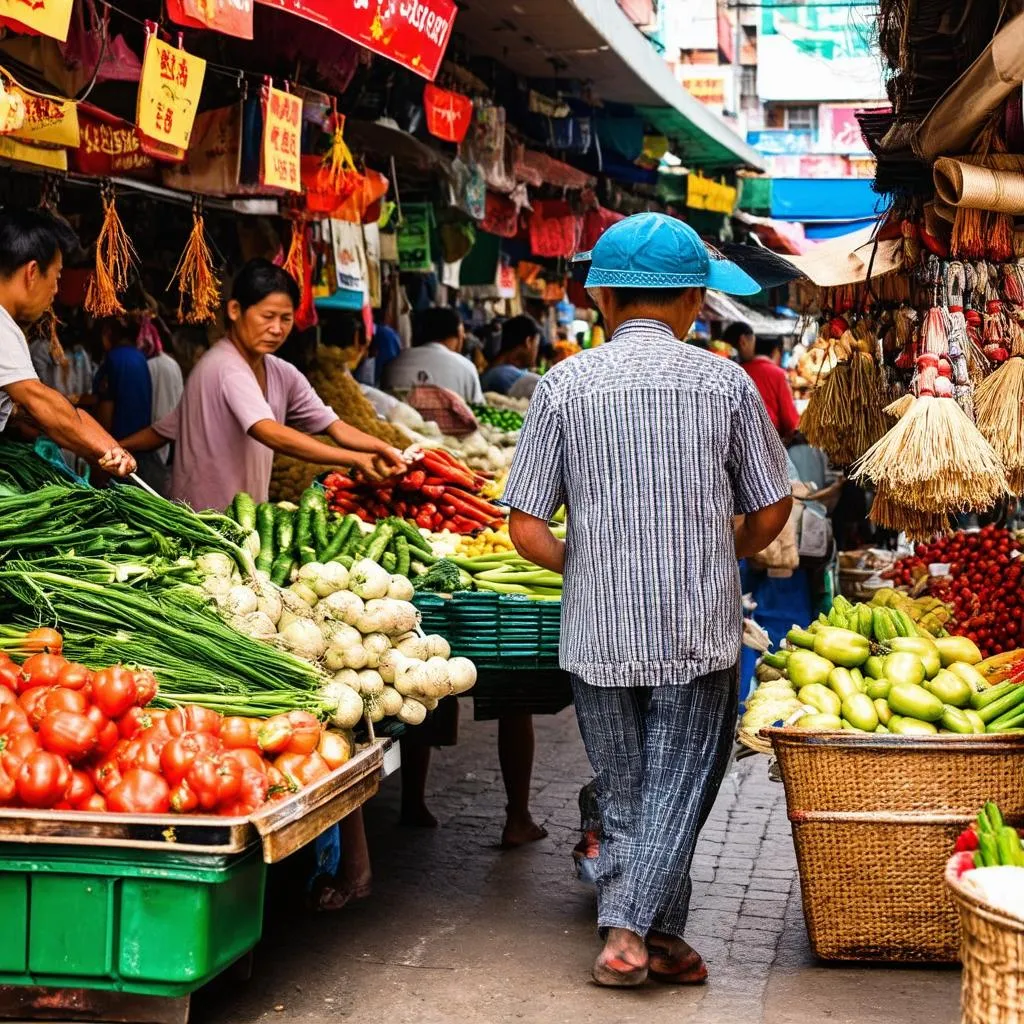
686,970
618,973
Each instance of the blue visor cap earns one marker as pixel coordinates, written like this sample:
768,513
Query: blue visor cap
653,250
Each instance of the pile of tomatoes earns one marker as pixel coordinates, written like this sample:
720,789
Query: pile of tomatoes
983,587
74,739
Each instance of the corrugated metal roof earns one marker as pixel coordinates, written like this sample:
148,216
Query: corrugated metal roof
721,307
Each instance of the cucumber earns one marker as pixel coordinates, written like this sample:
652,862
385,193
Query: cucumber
281,570
411,534
402,555
318,525
284,531
304,527
377,547
388,562
245,511
265,528
341,535
306,554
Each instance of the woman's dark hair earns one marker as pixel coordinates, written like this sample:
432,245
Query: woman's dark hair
518,331
439,323
735,331
259,279
28,236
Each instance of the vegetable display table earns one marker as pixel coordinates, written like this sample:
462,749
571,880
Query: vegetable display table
121,917
874,820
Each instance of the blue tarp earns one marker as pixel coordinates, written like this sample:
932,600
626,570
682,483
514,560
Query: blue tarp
822,231
828,199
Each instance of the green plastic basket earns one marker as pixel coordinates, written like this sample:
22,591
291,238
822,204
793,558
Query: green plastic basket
150,923
496,631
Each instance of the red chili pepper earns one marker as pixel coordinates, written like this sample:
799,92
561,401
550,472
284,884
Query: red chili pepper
967,840
424,521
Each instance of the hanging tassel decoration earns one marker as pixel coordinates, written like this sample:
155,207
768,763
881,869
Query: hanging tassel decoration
1000,410
338,171
299,265
198,287
115,260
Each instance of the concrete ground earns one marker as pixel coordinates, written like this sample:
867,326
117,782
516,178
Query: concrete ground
459,931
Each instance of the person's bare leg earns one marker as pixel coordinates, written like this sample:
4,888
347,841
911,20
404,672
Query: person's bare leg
356,874
515,755
415,765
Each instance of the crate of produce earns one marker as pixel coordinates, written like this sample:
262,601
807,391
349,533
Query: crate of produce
496,631
149,923
992,951
874,818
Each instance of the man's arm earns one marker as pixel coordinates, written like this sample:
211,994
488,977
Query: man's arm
291,442
69,427
534,540
758,529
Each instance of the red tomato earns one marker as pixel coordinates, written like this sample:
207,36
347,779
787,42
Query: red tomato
107,774
192,718
59,698
306,733
69,734
178,754
81,789
250,759
236,733
42,669
145,683
140,792
114,690
10,676
17,747
7,695
142,754
43,778
95,803
313,769
74,676
133,722
43,639
215,779
31,697
275,734
254,790
7,786
183,798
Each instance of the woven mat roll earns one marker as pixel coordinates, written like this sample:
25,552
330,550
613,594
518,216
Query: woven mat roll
961,183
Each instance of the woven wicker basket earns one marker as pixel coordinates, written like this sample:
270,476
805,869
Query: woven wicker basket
992,951
874,819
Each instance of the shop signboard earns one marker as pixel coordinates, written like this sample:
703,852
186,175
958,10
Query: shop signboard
38,17
47,119
781,142
169,93
110,147
232,17
282,132
413,33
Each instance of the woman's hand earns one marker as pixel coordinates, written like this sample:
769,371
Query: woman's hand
366,466
390,459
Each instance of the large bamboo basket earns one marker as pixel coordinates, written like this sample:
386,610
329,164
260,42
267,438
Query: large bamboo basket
874,820
992,952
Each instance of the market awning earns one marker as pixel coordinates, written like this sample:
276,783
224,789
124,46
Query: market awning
847,260
721,307
594,41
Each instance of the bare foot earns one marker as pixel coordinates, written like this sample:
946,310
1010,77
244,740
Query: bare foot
417,817
623,962
519,833
674,960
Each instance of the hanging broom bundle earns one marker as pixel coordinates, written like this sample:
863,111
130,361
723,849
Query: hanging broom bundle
935,459
115,260
198,287
889,514
999,406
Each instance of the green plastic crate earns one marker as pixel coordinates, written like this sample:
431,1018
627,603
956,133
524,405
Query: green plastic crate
150,923
496,631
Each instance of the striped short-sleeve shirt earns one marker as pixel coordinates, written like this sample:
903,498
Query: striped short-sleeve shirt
653,446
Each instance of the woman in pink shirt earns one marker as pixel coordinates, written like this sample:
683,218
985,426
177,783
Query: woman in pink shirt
241,404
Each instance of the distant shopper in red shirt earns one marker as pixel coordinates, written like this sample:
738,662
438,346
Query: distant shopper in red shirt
760,358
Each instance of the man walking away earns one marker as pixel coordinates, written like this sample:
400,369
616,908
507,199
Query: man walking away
653,446
761,358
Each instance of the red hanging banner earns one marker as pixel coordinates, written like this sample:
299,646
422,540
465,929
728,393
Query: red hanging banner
232,17
413,33
448,113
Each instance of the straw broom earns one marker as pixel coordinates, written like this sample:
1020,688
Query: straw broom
889,514
936,460
115,260
199,290
999,407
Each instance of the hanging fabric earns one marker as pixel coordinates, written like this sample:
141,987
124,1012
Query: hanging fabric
554,229
213,163
501,216
449,114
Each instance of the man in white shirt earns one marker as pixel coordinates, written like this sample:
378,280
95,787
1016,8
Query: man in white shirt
32,243
438,336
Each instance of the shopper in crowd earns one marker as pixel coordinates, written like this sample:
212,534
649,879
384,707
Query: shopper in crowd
168,386
124,390
653,446
32,247
761,358
435,358
511,373
242,404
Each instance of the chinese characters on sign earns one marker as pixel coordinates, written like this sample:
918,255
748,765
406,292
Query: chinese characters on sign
282,131
169,93
413,33
45,17
47,119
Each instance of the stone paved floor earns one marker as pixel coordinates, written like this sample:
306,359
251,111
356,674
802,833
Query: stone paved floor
459,931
